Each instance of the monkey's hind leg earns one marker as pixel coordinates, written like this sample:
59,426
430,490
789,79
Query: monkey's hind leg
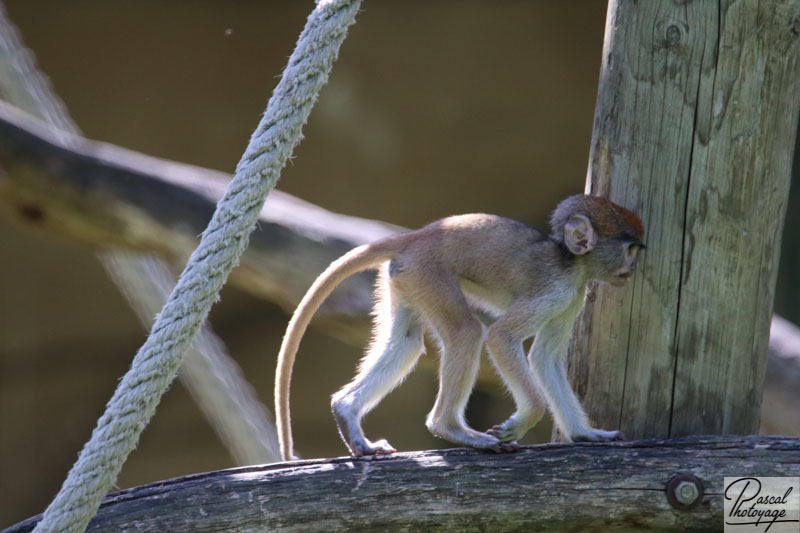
505,345
395,349
461,336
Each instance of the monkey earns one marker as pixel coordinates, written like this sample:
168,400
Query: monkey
436,280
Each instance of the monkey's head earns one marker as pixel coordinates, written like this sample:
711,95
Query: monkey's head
612,234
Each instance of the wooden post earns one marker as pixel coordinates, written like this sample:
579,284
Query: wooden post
694,129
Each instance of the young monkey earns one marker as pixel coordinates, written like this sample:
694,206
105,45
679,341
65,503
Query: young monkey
434,279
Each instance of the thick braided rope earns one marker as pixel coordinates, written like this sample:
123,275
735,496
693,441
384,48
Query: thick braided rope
223,241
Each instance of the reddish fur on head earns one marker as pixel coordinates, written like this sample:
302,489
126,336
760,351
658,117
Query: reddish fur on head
615,216
607,218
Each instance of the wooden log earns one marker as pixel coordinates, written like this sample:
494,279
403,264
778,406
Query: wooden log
109,196
576,487
694,129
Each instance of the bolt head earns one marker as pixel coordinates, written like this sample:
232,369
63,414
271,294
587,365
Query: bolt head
686,492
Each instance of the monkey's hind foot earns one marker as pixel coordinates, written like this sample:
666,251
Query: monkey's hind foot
364,447
500,446
505,447
599,435
507,431
350,430
517,425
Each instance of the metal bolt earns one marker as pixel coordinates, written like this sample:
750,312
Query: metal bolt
685,491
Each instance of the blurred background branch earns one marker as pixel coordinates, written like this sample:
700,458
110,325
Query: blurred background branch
107,196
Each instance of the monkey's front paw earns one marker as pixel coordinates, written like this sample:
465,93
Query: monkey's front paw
599,435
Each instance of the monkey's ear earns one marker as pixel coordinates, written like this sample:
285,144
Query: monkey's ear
579,235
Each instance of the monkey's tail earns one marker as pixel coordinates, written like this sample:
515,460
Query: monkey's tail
356,260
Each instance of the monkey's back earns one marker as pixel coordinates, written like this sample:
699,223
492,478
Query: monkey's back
486,253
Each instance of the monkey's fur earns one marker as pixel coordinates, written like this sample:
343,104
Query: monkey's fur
433,279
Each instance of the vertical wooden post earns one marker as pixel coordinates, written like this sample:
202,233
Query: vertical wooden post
694,129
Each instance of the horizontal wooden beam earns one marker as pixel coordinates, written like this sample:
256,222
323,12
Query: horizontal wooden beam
554,487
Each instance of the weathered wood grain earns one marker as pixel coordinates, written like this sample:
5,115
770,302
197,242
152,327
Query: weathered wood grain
578,487
694,128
